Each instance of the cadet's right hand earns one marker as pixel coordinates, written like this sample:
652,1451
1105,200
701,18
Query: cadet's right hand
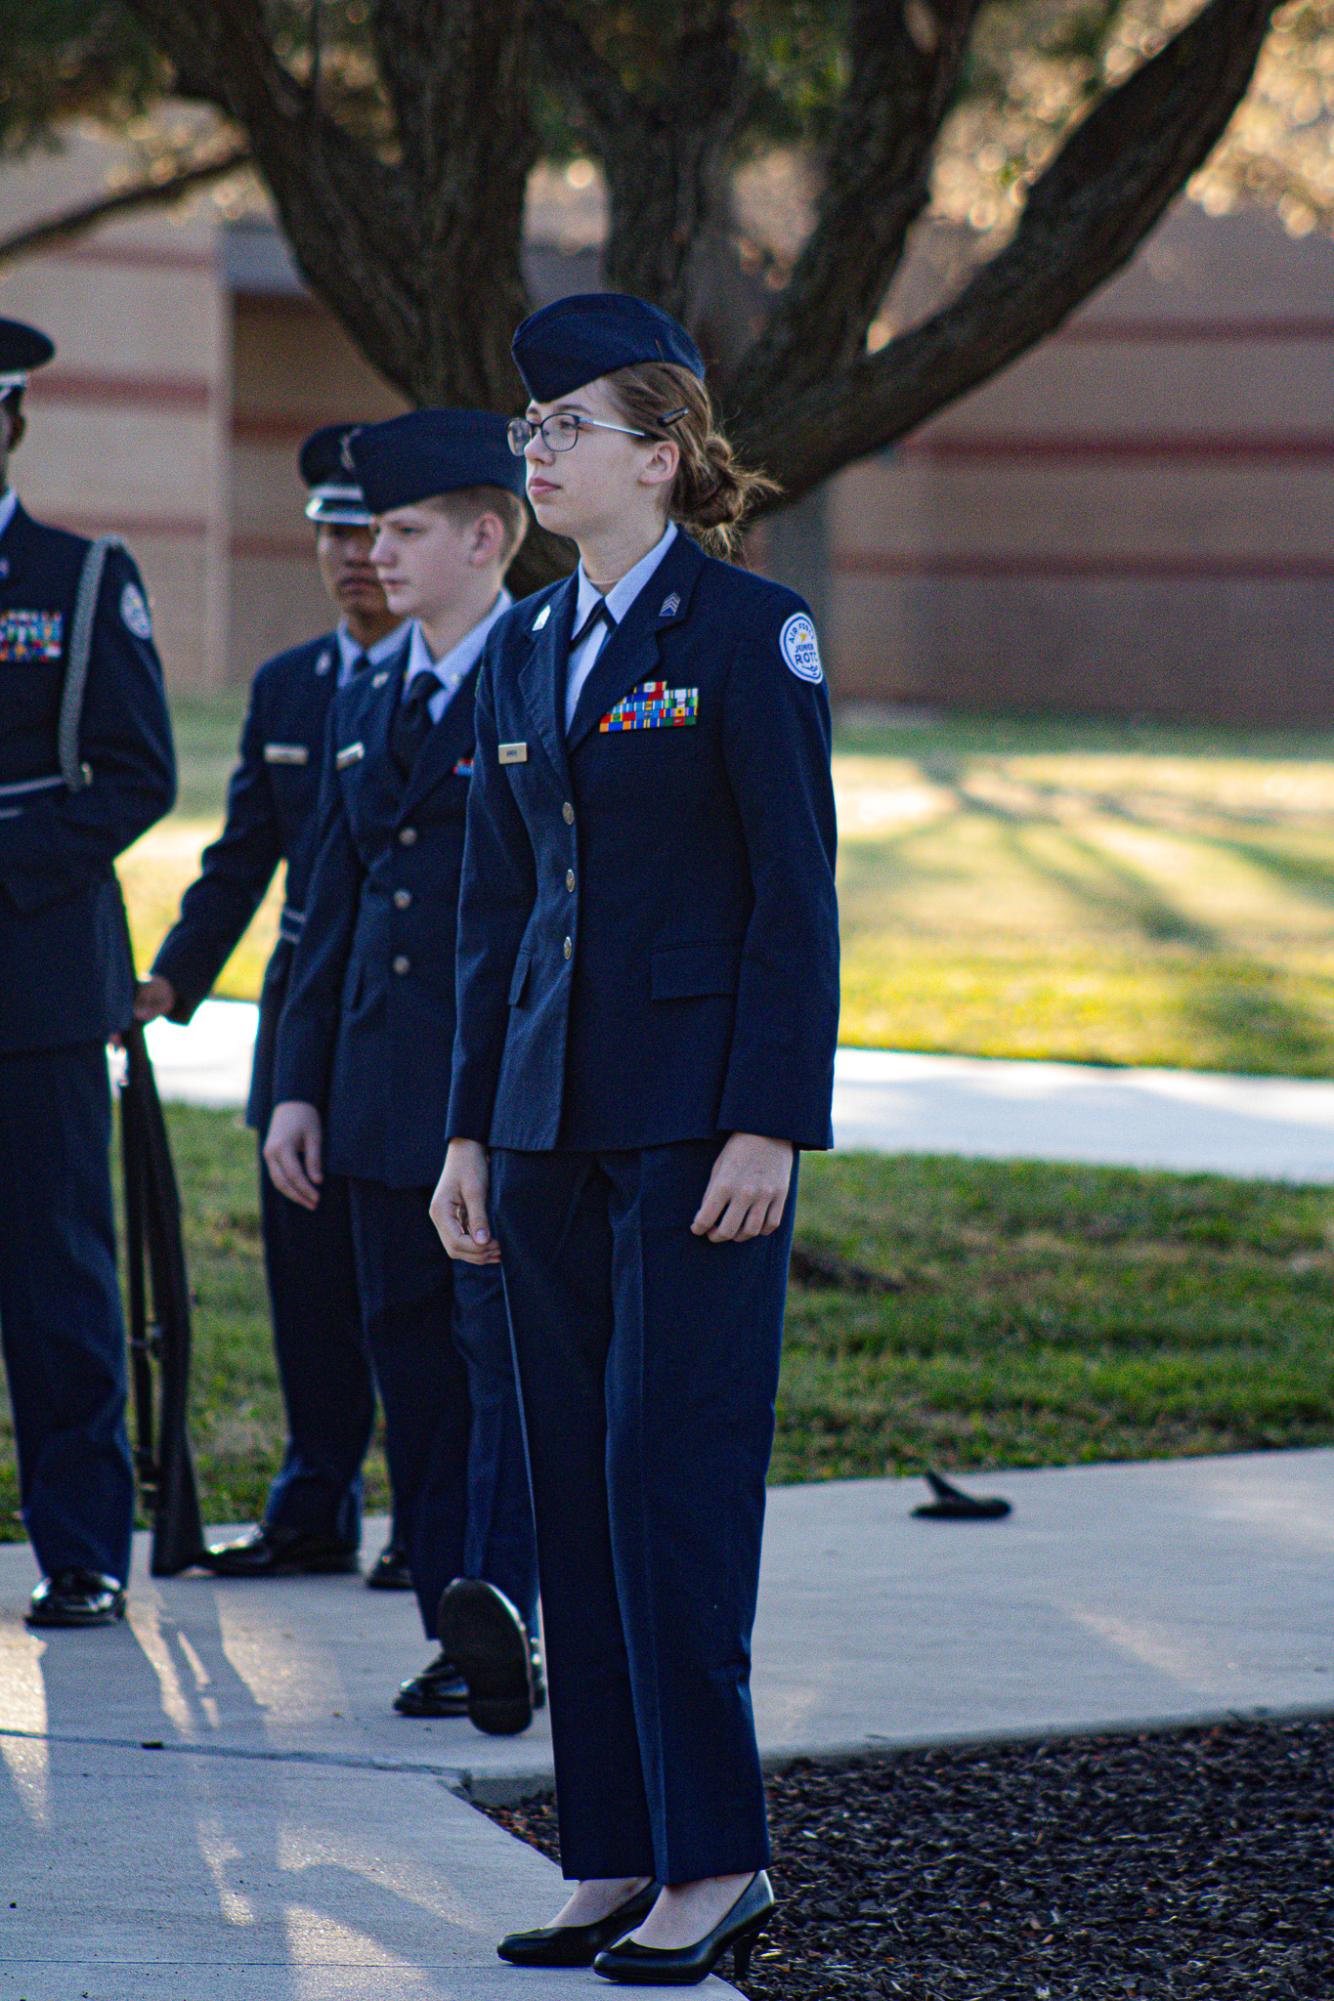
458,1207
293,1151
152,997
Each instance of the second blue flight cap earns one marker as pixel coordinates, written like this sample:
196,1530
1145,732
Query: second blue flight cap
335,491
562,346
428,452
22,348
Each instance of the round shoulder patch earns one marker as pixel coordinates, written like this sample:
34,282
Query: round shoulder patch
800,648
134,611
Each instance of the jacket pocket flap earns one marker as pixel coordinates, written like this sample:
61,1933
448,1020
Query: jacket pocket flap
519,980
685,972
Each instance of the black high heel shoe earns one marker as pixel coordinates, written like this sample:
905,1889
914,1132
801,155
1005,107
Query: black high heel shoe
576,1945
686,1965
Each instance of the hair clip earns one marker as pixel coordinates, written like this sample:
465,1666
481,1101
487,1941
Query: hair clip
674,416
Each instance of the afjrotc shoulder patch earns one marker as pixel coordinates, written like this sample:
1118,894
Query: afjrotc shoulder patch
800,648
134,611
31,635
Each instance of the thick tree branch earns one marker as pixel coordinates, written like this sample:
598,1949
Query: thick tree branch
904,64
346,214
147,193
660,153
1084,218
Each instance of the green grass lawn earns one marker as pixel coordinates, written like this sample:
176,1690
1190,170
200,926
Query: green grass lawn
1041,1315
1091,891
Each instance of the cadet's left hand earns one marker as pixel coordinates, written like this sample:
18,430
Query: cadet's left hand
747,1190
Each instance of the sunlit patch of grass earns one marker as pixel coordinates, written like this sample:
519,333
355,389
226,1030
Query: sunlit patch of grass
1091,891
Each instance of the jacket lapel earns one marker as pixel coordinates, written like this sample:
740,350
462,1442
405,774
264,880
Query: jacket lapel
630,655
542,676
367,713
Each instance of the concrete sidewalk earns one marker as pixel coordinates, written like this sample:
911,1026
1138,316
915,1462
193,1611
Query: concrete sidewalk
217,1801
1178,1121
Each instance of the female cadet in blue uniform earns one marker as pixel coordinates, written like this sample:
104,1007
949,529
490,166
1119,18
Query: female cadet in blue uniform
312,1521
67,984
648,1002
362,1075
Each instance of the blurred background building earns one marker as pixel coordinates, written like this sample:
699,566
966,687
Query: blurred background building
1136,519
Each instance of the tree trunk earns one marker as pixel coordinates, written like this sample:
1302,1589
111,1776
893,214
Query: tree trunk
417,250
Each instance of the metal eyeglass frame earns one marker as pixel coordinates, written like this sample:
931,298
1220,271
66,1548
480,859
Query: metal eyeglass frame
521,431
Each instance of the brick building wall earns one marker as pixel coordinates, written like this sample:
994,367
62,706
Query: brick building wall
1138,518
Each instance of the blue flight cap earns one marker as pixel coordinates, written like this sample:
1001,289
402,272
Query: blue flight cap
565,345
335,490
426,452
22,348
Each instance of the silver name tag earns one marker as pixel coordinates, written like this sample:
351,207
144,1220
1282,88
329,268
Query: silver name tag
514,753
350,755
286,753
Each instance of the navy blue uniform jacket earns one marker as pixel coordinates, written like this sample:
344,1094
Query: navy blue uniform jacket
272,802
648,940
369,1021
65,973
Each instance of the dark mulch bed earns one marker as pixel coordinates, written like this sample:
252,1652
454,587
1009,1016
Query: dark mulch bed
1193,1863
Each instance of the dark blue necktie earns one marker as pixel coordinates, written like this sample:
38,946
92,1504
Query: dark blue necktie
412,720
598,613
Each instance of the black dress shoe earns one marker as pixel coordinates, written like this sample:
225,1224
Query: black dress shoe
576,1945
536,1675
439,1690
390,1571
77,1598
480,1629
269,1551
686,1965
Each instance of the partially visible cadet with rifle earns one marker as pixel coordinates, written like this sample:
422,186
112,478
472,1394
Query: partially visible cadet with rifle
79,781
312,1522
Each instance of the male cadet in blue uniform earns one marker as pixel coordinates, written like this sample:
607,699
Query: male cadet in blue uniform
364,1047
312,1521
67,984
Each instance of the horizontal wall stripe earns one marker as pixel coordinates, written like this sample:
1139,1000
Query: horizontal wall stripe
191,393
163,527
135,256
258,427
1151,448
1185,330
274,548
1115,567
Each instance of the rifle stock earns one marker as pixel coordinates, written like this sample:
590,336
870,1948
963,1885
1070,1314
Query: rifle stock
159,1297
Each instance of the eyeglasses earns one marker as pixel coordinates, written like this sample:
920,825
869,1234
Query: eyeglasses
560,433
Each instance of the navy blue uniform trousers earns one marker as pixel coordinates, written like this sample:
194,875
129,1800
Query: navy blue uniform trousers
440,1344
648,1368
328,1393
60,1310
